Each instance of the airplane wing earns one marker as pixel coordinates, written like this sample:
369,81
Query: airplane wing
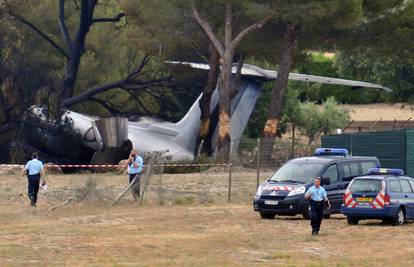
251,70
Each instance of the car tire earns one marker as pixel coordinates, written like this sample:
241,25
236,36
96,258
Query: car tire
352,220
267,215
399,218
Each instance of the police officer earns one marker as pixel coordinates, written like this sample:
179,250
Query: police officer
135,164
317,196
34,171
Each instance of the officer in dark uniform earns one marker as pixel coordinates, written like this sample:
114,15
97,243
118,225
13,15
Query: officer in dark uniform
317,197
34,171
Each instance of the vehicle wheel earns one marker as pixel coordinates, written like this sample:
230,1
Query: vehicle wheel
267,215
352,220
327,216
399,218
306,215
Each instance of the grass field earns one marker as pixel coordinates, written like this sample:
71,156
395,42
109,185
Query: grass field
91,233
384,111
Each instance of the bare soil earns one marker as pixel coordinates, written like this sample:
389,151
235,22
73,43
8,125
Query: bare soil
92,233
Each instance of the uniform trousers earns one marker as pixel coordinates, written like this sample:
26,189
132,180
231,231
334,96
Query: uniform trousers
316,214
33,187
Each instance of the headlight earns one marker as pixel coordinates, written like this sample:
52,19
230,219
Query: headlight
259,191
297,191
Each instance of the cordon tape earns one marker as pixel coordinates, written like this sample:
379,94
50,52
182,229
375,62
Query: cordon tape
116,165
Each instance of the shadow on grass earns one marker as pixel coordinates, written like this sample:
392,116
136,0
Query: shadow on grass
297,218
379,223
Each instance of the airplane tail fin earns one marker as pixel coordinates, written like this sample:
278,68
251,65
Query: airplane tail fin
189,125
241,109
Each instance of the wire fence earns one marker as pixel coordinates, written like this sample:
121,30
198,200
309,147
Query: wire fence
164,183
251,162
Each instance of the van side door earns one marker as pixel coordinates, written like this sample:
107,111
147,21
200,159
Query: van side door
366,165
333,190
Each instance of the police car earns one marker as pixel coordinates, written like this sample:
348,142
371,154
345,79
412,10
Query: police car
283,193
385,194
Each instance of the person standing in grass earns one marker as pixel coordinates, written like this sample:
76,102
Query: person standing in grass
34,171
317,197
135,165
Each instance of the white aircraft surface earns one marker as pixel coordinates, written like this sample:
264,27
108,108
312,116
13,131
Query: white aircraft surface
106,140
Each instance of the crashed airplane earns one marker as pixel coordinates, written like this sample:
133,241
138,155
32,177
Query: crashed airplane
107,140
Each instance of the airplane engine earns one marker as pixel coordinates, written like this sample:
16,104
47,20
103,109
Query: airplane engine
78,138
114,134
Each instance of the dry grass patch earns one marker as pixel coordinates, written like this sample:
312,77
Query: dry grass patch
91,233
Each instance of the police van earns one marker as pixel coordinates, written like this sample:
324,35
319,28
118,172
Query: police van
385,194
283,193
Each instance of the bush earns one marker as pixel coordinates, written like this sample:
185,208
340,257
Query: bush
184,200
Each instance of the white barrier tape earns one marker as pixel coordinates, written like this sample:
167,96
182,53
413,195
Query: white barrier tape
114,166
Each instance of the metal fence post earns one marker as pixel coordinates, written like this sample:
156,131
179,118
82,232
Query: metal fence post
257,163
229,165
293,140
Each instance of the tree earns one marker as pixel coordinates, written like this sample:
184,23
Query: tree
74,49
33,68
315,119
171,28
226,49
380,49
304,25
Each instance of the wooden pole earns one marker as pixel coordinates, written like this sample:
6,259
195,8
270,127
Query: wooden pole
147,176
124,191
200,149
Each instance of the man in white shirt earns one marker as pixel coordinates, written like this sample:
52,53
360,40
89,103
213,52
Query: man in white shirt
317,196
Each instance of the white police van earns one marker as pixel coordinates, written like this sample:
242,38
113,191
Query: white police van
283,193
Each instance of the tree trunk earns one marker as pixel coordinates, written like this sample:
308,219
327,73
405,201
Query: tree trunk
76,49
281,83
272,122
226,51
224,140
224,109
208,92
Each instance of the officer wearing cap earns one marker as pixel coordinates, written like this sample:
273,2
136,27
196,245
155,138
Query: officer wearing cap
317,197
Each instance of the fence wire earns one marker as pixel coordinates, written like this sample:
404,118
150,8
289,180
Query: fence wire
251,162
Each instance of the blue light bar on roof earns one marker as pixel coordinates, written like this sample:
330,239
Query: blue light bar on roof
382,171
331,151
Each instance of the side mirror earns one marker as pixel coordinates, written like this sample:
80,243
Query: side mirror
326,180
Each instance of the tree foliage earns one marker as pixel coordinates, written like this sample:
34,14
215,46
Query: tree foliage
313,119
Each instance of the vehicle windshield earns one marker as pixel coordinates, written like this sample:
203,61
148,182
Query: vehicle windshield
366,186
299,172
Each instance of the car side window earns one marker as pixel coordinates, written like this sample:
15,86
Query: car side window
405,186
355,169
365,166
347,170
332,173
351,170
394,186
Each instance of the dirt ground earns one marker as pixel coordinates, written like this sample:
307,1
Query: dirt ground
92,233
